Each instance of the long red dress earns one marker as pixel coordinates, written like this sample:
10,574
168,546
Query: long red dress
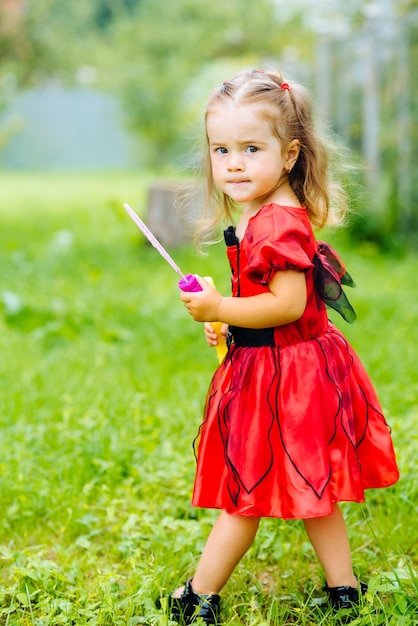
292,422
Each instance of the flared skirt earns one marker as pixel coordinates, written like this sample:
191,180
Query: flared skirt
288,431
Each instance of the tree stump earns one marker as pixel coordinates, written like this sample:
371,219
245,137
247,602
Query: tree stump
172,209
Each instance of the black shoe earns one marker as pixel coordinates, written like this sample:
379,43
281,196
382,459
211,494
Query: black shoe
190,605
345,597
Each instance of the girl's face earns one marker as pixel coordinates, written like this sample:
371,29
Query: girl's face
248,161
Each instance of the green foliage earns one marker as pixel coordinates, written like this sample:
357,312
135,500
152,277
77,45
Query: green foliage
30,47
171,54
162,58
103,377
41,40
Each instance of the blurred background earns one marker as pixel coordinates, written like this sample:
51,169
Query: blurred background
121,85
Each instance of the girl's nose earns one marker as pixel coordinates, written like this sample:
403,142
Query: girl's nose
235,162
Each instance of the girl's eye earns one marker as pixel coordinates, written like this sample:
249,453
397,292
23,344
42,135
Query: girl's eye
221,150
252,149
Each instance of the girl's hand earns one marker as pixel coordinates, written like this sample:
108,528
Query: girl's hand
212,334
203,305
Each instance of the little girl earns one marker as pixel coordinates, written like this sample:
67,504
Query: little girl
292,424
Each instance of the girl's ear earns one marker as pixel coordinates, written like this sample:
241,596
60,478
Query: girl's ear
292,153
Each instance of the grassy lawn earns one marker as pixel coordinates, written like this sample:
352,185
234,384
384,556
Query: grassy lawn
102,381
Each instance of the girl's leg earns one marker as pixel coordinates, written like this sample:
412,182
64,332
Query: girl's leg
229,540
329,538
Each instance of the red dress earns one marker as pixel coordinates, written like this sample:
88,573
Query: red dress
292,422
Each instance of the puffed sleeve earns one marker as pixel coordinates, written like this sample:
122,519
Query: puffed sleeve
277,239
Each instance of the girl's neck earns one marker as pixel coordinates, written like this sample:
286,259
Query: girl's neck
283,195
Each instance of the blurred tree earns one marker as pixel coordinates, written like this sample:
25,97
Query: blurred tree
107,11
152,53
51,39
162,57
366,55
163,51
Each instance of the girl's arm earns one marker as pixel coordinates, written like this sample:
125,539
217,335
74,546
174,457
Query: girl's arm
284,303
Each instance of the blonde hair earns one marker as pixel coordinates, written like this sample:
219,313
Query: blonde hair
289,111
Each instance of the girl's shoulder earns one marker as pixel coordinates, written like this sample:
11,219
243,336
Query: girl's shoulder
283,211
278,237
277,221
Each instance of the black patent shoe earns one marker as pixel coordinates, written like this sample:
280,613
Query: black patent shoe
345,597
190,605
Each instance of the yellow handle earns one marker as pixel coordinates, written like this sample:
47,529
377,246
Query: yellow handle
221,347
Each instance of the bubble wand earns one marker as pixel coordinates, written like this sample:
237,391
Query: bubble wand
148,234
188,282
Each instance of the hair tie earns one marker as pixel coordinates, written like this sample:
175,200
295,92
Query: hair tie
285,86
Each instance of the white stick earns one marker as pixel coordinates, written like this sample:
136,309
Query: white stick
148,234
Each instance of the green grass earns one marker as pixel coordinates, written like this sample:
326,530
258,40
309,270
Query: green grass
103,377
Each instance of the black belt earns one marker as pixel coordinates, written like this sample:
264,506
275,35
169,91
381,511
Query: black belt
251,337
